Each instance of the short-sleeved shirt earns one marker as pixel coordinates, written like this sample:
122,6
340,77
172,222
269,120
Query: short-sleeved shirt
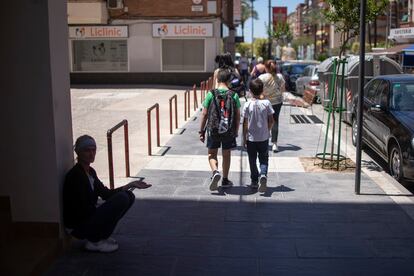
223,91
257,113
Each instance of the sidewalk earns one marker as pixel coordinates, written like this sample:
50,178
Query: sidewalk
305,224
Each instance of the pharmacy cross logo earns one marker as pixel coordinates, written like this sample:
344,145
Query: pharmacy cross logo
80,32
163,30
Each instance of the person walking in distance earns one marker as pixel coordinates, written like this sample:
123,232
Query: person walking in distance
273,88
221,118
257,121
82,217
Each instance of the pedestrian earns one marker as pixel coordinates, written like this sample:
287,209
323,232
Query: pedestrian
257,121
236,84
82,217
220,118
244,68
273,88
258,69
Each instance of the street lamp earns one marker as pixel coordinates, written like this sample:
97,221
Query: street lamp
270,28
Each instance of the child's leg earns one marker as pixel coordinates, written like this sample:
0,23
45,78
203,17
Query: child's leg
263,150
252,152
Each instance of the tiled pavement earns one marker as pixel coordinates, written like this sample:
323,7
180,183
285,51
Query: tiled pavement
305,223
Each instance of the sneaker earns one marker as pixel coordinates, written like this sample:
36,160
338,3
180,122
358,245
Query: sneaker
101,246
111,240
274,147
226,183
215,178
263,183
254,185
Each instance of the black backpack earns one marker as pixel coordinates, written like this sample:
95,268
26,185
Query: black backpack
221,113
236,84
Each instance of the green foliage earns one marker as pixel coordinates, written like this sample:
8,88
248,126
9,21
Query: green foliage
260,47
344,15
281,32
355,47
302,40
243,48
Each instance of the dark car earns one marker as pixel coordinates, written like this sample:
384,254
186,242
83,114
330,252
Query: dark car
388,122
292,70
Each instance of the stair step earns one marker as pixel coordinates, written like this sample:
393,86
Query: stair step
28,256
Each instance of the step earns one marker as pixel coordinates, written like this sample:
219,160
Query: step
28,256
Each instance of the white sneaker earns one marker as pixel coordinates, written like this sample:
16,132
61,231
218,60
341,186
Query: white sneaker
274,147
103,246
111,240
263,183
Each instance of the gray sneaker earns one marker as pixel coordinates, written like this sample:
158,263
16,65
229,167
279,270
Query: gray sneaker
215,178
263,183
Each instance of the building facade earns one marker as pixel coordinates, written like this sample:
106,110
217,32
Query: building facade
146,41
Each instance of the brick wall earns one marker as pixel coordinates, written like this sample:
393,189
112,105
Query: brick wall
162,8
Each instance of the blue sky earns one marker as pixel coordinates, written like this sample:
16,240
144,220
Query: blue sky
261,6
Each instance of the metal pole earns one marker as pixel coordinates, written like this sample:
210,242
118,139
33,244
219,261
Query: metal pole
252,9
270,28
360,96
126,143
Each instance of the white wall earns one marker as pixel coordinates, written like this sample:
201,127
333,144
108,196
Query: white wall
35,114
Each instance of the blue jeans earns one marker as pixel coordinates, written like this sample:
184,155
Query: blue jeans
253,150
102,223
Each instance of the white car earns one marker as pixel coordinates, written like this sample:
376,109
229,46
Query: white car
309,81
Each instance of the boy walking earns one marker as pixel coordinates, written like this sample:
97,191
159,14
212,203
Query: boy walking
221,118
257,122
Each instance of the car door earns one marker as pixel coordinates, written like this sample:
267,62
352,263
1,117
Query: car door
302,81
369,100
380,119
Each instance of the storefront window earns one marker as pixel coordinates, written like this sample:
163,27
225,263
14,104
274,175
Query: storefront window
183,55
100,55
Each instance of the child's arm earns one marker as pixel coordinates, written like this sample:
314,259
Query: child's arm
270,121
237,121
244,138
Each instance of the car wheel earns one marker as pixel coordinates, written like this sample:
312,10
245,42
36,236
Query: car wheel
395,163
354,131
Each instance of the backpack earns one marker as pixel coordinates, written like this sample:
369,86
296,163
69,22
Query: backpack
236,84
221,112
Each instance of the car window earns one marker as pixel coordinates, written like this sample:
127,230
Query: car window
297,69
382,93
402,98
307,71
371,89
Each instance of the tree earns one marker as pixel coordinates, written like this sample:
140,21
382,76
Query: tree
344,15
246,13
243,48
282,33
260,47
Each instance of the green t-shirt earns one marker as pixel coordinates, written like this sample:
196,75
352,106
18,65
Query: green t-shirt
209,98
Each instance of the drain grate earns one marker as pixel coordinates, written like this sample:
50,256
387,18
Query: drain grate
306,119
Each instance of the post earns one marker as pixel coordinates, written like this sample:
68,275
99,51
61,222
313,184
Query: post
176,118
360,96
126,145
157,114
252,9
195,101
270,28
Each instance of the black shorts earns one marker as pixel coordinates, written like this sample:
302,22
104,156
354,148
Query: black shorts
225,144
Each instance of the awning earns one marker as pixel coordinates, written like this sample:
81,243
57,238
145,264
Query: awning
410,48
398,48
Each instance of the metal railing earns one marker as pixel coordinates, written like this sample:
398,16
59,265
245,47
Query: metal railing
195,101
186,104
202,91
176,113
157,121
123,123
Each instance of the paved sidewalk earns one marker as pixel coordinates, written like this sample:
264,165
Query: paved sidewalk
305,224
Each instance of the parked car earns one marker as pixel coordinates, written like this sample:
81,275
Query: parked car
292,70
309,81
388,122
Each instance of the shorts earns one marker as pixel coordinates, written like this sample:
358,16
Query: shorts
227,144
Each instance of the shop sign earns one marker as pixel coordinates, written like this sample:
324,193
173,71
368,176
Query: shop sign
80,32
182,30
197,8
402,33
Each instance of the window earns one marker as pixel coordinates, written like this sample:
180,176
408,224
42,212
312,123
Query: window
183,55
382,94
370,90
100,55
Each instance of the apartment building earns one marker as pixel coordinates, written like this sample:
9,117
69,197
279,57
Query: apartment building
146,41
